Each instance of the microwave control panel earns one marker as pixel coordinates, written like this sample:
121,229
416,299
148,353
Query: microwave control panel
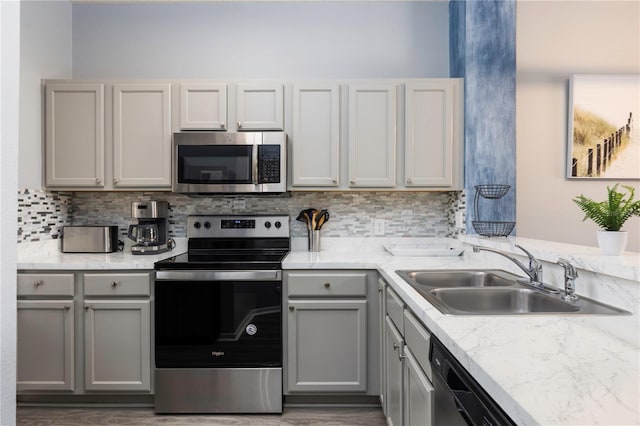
269,163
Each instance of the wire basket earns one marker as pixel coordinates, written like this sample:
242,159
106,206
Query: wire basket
492,190
493,229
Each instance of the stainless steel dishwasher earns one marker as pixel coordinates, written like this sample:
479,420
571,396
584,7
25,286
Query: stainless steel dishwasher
458,398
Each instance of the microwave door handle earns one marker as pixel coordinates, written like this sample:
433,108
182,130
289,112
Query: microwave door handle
254,164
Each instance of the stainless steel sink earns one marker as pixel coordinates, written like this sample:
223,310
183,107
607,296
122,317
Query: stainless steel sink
461,278
499,301
494,292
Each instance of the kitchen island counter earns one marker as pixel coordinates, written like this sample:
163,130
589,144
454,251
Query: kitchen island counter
541,369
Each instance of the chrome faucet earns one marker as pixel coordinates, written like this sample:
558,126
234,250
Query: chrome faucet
570,275
534,271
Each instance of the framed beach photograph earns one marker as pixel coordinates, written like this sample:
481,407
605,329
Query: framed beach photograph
604,127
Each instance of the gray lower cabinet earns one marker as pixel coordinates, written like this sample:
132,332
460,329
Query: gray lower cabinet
84,332
393,361
331,332
408,392
117,345
45,332
45,345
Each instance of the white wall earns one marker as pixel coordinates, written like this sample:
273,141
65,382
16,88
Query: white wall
9,101
45,52
261,40
554,41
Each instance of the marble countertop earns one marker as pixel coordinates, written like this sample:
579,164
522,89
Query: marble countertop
550,369
46,255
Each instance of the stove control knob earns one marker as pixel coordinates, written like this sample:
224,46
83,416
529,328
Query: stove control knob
207,225
278,225
267,224
196,225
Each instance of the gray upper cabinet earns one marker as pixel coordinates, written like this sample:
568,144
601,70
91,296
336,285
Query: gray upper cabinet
433,133
108,136
74,134
372,135
203,106
260,106
142,135
315,141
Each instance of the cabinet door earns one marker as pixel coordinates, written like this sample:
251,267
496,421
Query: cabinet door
142,135
393,358
74,135
316,134
117,345
372,135
203,106
382,313
260,107
327,345
429,132
418,393
45,345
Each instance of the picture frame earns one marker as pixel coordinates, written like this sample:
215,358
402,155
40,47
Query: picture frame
604,127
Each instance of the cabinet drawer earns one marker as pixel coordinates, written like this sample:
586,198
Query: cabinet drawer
328,284
117,284
395,307
45,285
417,338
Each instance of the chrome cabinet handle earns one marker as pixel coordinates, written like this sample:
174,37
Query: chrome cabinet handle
334,180
38,283
87,307
352,182
327,285
409,180
98,180
115,180
222,124
67,307
114,284
396,346
291,308
239,125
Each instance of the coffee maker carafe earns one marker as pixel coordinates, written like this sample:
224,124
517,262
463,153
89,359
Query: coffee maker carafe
151,232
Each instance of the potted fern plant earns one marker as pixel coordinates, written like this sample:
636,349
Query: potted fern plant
610,215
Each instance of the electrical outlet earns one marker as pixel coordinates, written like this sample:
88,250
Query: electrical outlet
459,220
378,227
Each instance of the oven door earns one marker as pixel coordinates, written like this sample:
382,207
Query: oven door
207,319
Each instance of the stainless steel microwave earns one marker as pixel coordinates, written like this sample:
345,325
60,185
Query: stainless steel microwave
229,163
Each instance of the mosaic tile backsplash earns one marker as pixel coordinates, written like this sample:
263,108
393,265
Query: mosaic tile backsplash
407,214
42,214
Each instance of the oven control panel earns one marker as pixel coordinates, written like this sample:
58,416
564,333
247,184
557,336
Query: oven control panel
212,226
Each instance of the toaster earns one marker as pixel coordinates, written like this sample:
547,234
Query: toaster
90,239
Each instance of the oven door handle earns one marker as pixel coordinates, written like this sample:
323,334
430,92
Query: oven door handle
205,275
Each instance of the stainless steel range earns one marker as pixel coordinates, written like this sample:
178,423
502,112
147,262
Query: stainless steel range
218,317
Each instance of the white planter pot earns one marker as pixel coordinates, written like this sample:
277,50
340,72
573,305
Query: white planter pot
612,243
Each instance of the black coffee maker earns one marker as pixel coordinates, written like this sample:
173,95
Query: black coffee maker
151,233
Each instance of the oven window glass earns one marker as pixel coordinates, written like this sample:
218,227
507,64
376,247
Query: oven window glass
215,164
218,324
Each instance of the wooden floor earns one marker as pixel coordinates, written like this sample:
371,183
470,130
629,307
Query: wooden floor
329,416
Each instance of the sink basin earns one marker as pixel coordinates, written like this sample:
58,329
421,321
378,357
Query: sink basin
494,292
499,301
461,278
